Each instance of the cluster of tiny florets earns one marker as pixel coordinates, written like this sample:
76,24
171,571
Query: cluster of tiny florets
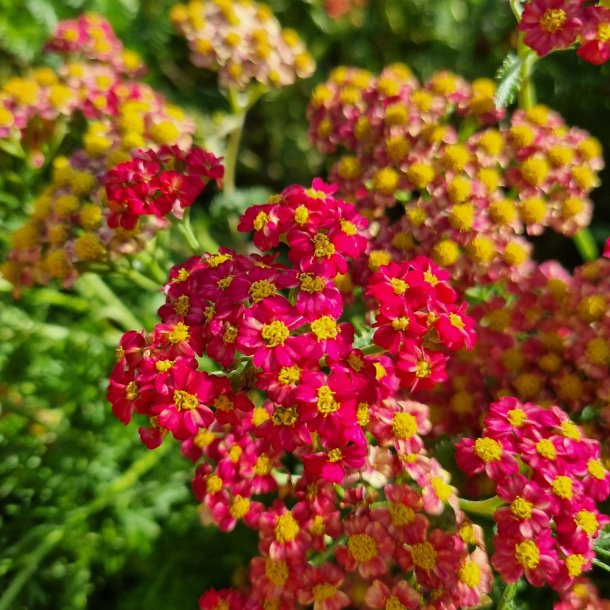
550,25
468,198
68,227
243,41
550,475
293,383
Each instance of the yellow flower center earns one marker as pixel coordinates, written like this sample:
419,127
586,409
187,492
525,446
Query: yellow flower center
286,528
442,489
322,246
488,449
276,572
223,403
470,574
527,554
301,215
401,514
179,333
424,555
535,170
261,290
570,430
423,369
181,306
326,401
239,507
393,603
275,334
362,547
335,455
521,508
456,321
230,333
596,469
553,20
404,425
592,308
562,487
185,401
203,438
598,351
284,416
311,283
398,286
262,466
516,417
213,483
290,375
400,324
546,449
131,391
587,521
322,591
574,564
385,180
216,259
260,221
225,282
325,328
348,228
378,258
362,414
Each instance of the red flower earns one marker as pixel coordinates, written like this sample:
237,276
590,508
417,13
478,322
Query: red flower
596,35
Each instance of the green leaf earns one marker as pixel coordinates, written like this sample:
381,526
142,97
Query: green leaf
509,77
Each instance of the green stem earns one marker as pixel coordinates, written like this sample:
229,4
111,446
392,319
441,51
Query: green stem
32,562
139,279
601,564
92,286
586,246
507,596
372,349
187,232
485,508
231,154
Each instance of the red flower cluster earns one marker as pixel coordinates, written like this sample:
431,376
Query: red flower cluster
293,381
550,25
550,476
157,182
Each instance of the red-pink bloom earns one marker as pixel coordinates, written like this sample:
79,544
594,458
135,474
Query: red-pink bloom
550,24
595,34
369,547
527,510
419,368
263,220
265,334
455,329
330,465
434,556
315,252
321,587
403,511
607,248
228,599
516,556
401,595
182,407
396,325
486,454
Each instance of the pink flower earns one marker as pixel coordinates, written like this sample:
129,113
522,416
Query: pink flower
595,34
331,464
516,556
401,595
420,368
486,454
321,586
369,547
182,405
550,24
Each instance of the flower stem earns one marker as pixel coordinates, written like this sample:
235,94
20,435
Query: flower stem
485,508
232,151
585,244
187,232
93,287
510,590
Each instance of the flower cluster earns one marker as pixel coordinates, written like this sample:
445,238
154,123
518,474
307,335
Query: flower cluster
297,410
243,41
549,474
581,595
550,25
91,81
157,183
68,228
545,338
92,38
470,187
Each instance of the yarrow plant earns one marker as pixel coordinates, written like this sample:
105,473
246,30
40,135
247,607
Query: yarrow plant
374,374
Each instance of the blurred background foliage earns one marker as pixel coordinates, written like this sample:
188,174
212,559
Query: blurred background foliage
88,517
